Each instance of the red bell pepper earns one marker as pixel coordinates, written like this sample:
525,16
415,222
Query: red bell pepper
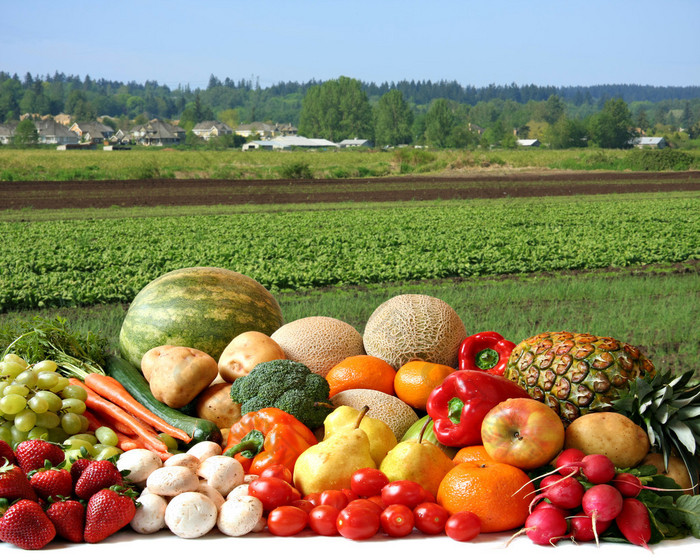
459,404
487,351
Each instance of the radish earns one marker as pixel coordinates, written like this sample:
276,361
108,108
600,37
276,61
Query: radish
601,503
564,492
598,469
546,526
634,522
568,461
582,528
628,485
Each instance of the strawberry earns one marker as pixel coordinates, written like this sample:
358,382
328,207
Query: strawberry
14,484
96,476
33,453
68,516
51,482
108,510
25,525
6,453
77,468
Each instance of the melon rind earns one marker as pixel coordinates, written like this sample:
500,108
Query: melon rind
197,307
414,327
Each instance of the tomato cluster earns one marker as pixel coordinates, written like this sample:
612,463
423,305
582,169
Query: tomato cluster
371,504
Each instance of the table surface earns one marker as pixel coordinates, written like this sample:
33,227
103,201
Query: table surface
494,546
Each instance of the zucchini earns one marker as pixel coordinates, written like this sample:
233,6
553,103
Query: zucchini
135,383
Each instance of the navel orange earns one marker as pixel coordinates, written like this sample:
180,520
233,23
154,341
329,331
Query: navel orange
416,379
361,372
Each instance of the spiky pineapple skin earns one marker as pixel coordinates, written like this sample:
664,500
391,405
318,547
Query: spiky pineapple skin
575,373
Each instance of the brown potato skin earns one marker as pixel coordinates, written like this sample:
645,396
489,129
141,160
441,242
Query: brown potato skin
215,404
676,469
246,351
177,374
611,434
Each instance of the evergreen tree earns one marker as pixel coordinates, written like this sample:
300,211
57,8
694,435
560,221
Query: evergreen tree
393,119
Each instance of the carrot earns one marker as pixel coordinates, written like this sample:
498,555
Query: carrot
110,389
112,411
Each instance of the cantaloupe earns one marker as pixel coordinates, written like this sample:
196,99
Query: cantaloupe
389,409
318,342
414,327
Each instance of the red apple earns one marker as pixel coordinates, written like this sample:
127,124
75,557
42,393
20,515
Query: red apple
524,433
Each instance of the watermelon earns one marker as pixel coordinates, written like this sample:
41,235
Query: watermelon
197,307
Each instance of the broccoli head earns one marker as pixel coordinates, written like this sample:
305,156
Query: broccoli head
288,385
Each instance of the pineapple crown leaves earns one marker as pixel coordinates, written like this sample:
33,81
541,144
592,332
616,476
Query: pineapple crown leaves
668,407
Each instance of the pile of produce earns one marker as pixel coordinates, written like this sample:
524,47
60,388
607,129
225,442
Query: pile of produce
217,416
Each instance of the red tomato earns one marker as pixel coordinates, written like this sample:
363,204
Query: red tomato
349,494
358,523
314,498
272,492
397,520
463,526
285,521
335,498
306,505
406,492
368,482
377,500
322,520
278,471
430,518
366,503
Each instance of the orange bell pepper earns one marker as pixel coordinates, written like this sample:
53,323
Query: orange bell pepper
268,436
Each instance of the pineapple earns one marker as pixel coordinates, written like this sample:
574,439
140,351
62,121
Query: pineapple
578,373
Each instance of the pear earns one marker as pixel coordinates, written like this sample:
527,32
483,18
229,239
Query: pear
413,433
418,460
381,436
329,464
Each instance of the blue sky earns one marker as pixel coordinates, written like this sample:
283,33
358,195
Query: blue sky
541,42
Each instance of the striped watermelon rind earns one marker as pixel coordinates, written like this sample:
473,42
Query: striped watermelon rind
198,307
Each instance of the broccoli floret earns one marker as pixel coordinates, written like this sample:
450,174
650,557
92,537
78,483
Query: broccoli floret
288,385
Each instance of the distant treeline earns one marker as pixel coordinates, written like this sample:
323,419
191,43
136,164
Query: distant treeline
87,98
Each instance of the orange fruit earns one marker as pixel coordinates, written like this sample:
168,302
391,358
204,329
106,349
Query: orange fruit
361,372
472,453
496,492
415,381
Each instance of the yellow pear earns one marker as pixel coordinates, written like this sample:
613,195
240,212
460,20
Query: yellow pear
381,436
330,463
418,460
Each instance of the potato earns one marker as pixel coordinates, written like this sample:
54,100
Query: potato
610,434
215,404
676,469
177,374
246,351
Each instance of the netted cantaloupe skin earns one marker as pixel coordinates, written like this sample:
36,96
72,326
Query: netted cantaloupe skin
389,409
414,327
319,342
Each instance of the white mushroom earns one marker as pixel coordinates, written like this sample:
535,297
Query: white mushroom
140,463
211,492
239,516
183,460
150,515
247,479
171,481
205,449
240,490
190,515
222,473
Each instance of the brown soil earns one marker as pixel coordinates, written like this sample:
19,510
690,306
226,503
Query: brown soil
183,192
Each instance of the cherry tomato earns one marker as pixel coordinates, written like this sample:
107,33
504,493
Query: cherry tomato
406,492
272,492
397,520
349,494
278,471
358,523
335,498
368,482
322,520
366,503
285,521
306,505
314,498
377,500
463,526
430,518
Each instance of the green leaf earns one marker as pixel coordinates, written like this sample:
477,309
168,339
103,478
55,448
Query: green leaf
683,434
688,507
